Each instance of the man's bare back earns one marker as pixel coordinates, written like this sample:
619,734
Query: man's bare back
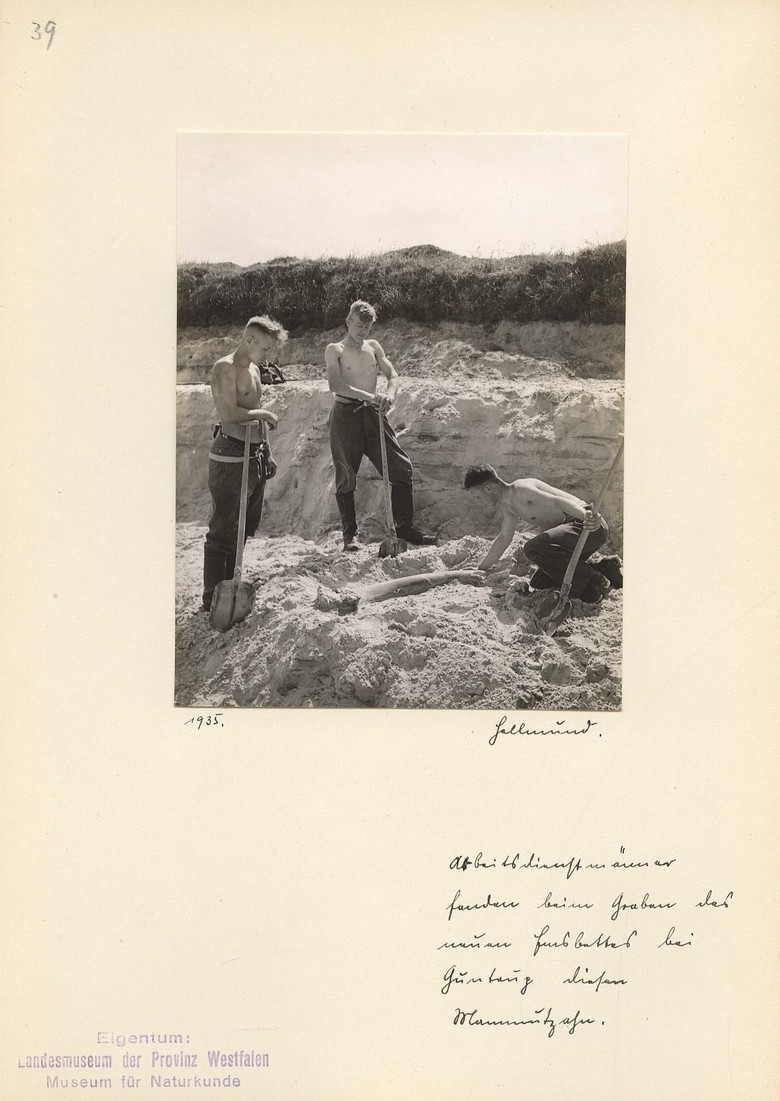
539,504
529,500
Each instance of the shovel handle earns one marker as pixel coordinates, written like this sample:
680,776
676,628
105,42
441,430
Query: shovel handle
383,449
608,478
385,476
242,506
373,398
575,556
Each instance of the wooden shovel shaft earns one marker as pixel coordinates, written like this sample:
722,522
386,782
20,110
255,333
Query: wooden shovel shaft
386,477
575,556
572,566
242,506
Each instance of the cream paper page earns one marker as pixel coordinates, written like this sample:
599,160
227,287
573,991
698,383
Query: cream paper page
268,906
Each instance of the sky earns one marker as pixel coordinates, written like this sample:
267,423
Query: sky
248,198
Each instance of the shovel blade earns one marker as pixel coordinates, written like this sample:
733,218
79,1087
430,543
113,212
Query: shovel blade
548,606
552,622
391,548
232,602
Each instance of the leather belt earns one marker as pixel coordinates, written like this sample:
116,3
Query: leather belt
349,401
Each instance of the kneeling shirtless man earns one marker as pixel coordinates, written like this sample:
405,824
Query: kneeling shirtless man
354,425
561,517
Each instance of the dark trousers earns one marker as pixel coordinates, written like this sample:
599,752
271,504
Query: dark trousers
551,552
354,432
219,552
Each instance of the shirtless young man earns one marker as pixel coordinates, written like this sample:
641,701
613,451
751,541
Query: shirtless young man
561,517
237,391
354,425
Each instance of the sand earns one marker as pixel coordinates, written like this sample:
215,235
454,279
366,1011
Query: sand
457,646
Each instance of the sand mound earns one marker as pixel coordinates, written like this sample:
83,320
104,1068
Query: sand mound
456,646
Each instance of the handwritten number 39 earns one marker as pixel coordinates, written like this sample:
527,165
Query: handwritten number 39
48,29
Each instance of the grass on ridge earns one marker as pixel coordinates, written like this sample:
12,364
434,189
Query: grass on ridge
423,283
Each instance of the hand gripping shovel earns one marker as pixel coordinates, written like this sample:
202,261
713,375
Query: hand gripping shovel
550,623
233,599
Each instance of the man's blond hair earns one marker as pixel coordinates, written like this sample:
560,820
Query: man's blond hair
364,309
267,325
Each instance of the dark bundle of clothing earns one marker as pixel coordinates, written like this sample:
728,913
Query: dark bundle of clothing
271,374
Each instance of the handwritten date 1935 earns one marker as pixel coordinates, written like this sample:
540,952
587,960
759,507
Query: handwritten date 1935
200,721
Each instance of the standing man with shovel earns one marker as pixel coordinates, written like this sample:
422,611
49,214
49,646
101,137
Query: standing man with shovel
240,461
353,365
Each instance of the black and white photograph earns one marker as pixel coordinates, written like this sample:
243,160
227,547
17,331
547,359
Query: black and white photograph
386,716
400,367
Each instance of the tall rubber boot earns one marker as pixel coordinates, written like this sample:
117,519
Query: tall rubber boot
403,514
215,564
346,503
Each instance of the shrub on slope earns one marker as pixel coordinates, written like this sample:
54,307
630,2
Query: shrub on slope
423,283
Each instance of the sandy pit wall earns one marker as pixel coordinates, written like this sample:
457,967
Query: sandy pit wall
588,351
562,429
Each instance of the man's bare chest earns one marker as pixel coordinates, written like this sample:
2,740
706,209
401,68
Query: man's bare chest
249,386
357,361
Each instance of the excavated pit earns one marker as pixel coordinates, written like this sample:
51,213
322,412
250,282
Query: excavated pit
455,646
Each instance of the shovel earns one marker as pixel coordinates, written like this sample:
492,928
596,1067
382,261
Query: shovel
562,606
233,599
392,546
